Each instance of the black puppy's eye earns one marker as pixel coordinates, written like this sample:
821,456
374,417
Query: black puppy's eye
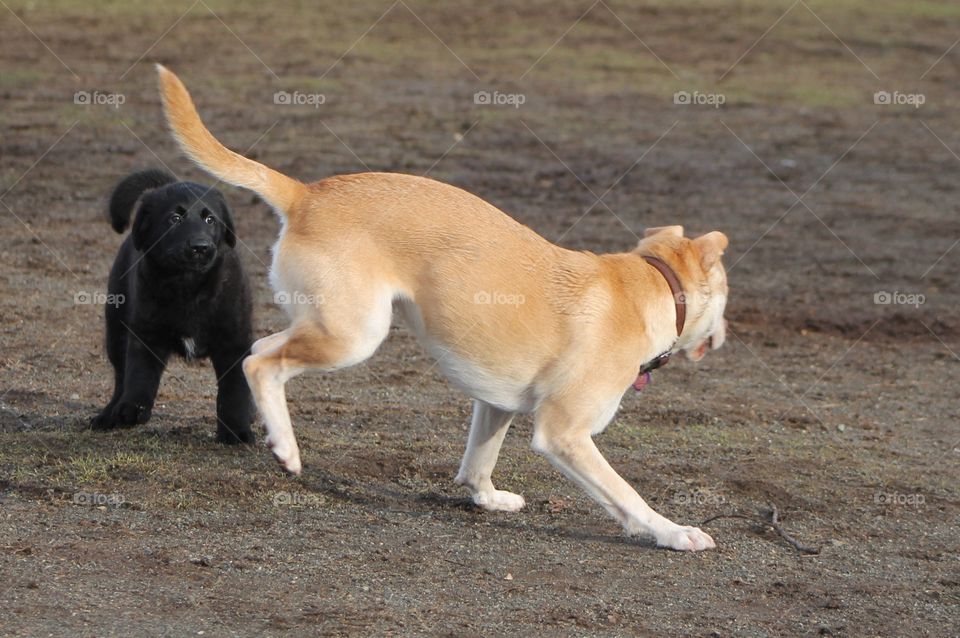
175,218
210,219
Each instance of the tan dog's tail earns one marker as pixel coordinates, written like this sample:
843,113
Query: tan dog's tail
202,147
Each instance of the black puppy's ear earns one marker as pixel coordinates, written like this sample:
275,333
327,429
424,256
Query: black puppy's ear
128,191
230,233
140,230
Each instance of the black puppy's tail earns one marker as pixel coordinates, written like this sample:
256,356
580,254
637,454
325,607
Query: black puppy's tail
129,190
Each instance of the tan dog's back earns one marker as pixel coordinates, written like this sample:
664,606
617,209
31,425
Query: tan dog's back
424,240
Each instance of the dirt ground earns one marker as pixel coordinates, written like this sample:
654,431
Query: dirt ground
833,405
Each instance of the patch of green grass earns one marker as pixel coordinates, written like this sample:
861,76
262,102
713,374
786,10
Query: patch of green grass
809,92
95,468
119,8
891,8
23,77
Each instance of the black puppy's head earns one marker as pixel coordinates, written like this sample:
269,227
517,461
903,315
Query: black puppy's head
180,225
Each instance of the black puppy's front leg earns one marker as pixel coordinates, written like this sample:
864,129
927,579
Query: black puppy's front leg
235,407
117,352
142,371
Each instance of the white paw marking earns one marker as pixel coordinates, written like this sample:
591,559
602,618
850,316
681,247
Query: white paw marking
499,501
686,539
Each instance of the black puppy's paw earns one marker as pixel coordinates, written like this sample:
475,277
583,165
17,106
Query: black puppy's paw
235,434
123,414
102,420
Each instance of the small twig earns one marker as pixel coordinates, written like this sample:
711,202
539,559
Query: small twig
774,523
800,547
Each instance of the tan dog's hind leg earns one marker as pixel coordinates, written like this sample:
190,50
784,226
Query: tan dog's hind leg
487,429
268,342
569,446
267,371
282,356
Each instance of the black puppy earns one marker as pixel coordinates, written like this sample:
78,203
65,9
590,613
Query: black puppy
179,288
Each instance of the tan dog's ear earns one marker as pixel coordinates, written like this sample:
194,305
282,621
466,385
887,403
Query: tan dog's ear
711,247
675,231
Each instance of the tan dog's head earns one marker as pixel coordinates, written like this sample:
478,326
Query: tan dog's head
698,266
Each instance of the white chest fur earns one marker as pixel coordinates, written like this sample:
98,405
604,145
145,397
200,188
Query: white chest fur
189,348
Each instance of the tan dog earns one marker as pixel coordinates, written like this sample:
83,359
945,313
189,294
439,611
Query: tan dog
518,323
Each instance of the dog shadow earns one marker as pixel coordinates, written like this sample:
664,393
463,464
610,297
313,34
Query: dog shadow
380,497
445,508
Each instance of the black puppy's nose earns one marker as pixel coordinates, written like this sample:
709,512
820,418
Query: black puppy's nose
201,248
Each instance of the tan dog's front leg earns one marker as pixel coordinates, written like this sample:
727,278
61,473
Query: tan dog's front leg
572,451
487,429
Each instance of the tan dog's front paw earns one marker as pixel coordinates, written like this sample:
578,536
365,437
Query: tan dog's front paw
686,539
288,456
499,501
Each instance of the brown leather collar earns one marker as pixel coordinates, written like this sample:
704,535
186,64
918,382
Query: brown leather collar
675,289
